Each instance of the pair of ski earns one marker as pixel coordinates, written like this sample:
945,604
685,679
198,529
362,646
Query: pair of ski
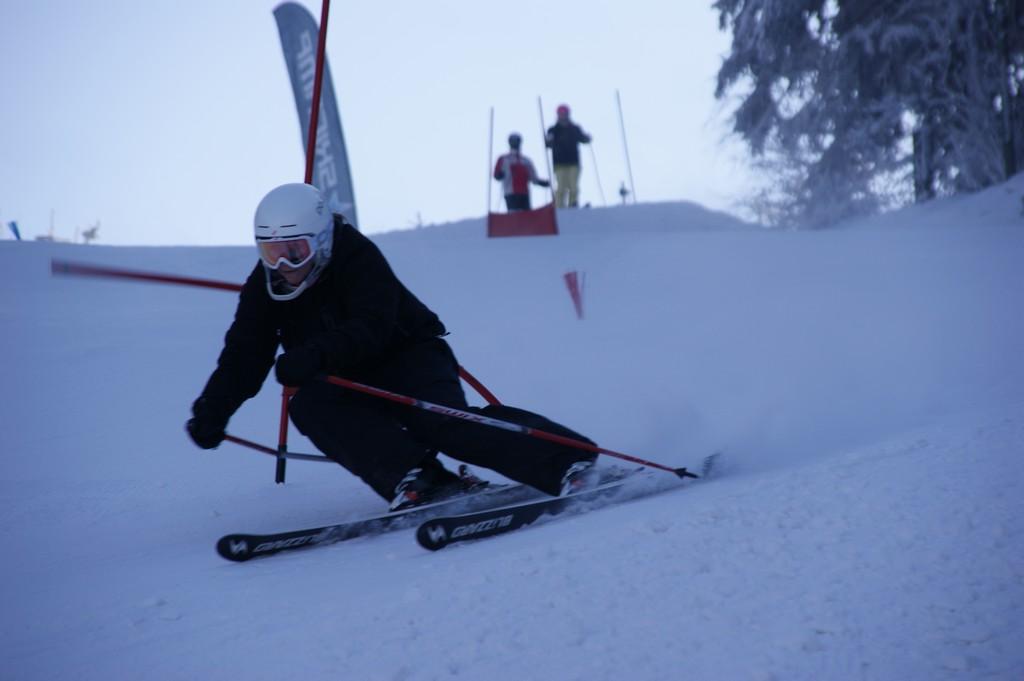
494,510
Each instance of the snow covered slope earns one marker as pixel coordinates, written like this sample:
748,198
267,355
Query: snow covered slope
865,382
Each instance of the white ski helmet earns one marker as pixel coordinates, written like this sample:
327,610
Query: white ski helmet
293,226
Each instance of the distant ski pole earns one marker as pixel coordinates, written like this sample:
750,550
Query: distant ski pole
625,146
547,154
597,175
503,425
490,160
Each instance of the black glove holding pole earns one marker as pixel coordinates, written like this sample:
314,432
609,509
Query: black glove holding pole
299,365
206,427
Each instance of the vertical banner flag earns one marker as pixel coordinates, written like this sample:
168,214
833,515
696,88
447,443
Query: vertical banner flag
331,174
14,228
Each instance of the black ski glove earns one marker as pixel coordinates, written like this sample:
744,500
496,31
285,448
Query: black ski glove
298,365
206,427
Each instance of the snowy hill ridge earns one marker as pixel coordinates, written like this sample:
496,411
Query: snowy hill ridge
669,216
865,382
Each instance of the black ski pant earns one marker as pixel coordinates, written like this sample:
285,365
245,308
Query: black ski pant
380,441
517,202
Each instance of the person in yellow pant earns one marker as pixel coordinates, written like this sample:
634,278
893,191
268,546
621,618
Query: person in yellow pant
567,178
564,138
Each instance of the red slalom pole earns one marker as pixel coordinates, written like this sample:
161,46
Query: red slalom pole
496,423
314,106
282,436
81,269
314,122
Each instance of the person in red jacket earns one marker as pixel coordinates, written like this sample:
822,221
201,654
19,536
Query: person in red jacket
516,172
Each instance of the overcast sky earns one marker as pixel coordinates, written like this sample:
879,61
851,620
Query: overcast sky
168,121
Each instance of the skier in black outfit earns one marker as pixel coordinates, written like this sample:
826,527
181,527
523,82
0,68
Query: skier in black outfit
564,138
325,293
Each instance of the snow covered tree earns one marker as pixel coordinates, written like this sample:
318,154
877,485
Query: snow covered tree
968,99
856,105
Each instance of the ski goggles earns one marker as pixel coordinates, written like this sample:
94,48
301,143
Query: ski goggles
292,252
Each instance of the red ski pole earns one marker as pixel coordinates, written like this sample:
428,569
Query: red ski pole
274,452
496,423
477,386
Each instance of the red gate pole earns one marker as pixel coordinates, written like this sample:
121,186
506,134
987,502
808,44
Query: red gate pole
314,121
314,110
85,270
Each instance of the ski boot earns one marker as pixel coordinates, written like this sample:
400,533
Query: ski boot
580,477
432,482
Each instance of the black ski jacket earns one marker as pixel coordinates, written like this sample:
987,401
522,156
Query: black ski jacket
356,315
564,141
